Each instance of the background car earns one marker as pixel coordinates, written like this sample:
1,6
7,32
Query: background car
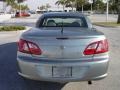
23,14
32,12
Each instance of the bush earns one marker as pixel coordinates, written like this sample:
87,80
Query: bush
12,28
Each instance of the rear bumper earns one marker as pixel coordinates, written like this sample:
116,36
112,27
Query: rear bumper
81,71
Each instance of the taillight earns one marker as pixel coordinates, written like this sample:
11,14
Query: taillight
97,47
28,47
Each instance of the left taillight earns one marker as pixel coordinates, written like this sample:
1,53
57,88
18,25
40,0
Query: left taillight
28,47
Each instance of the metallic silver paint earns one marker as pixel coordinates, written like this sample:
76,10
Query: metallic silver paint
66,52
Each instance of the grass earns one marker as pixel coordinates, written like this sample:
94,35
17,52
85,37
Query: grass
12,28
107,24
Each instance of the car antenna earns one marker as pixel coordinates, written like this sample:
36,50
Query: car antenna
62,27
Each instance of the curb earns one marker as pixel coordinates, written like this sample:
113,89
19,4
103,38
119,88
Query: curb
27,28
108,26
9,34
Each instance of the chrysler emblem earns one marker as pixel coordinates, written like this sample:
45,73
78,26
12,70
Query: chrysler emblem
62,47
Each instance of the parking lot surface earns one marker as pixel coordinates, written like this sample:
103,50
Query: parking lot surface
10,80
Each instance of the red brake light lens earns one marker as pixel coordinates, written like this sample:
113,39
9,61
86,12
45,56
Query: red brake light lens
28,47
97,47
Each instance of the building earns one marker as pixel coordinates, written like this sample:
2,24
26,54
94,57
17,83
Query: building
56,9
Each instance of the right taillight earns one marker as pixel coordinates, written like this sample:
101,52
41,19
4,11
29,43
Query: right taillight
97,47
28,47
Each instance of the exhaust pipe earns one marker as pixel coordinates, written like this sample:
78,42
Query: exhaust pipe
89,82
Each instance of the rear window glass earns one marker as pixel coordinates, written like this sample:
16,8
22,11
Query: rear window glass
64,22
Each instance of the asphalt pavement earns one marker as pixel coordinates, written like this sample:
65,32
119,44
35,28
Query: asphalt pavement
112,82
10,80
28,21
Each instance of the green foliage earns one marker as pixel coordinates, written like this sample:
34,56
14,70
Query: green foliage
71,3
44,7
12,28
62,2
99,6
23,7
19,1
15,5
41,7
10,2
47,6
81,2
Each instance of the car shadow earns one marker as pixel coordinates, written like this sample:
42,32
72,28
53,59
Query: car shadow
9,78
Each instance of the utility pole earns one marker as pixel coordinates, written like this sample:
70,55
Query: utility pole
91,2
91,8
76,4
19,7
107,8
20,10
82,8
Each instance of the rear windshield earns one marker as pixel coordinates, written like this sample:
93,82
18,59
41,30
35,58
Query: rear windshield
64,22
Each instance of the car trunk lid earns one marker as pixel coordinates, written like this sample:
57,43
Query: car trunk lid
69,44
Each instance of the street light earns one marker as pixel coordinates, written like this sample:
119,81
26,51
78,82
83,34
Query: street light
76,4
91,2
19,1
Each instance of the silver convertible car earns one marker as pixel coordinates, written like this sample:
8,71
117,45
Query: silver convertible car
63,47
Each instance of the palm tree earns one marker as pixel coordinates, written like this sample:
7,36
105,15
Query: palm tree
71,3
81,3
10,2
24,7
42,7
66,3
19,1
13,3
47,6
61,2
20,6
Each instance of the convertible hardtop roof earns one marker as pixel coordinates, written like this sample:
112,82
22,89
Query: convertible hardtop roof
64,14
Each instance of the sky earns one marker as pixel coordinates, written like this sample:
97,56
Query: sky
1,6
33,4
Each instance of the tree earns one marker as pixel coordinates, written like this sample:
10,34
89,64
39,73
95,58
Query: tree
61,2
112,6
15,5
19,1
23,7
99,6
10,2
47,6
80,3
71,3
42,7
118,10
